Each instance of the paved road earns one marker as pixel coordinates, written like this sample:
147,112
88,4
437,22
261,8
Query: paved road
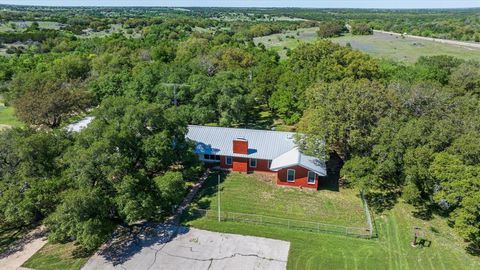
192,249
23,250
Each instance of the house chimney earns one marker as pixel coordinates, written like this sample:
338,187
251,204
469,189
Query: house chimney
240,146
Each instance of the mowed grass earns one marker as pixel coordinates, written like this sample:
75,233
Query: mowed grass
55,257
258,194
378,45
391,250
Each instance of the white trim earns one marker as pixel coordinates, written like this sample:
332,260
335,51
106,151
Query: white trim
294,172
250,162
226,160
314,178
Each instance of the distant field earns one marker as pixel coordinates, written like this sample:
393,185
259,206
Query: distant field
378,45
253,17
280,42
391,250
114,28
21,25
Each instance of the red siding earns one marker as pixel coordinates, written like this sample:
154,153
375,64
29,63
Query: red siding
301,178
243,165
223,163
240,164
262,166
240,147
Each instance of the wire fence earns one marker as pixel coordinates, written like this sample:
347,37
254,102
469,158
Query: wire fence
301,225
367,214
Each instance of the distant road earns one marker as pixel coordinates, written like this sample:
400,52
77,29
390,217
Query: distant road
439,40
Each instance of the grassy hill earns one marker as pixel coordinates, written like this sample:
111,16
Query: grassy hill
391,250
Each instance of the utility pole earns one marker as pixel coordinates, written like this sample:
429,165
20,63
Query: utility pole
218,197
175,85
175,95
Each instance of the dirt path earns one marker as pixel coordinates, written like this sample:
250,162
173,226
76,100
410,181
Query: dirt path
23,250
188,199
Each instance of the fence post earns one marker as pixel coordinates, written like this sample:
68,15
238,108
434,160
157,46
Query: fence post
367,214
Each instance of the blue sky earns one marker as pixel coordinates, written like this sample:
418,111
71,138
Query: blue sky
258,3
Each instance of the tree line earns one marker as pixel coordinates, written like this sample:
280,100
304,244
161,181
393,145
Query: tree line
404,131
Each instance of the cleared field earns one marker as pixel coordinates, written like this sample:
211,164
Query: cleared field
405,49
21,25
379,45
391,250
256,194
288,40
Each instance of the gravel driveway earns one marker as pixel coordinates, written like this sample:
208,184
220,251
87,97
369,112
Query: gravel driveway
190,249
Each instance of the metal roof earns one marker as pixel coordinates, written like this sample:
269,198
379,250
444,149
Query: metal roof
79,125
277,146
262,144
295,157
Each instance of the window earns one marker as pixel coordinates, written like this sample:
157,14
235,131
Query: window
211,157
311,177
228,160
269,164
290,175
253,163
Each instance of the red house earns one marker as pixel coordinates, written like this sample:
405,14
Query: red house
249,150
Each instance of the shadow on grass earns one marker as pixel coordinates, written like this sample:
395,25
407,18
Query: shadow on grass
380,201
206,194
473,249
332,180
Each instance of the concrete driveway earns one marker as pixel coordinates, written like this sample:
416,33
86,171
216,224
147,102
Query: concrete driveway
190,249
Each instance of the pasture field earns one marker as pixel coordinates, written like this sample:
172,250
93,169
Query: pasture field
379,45
390,250
405,49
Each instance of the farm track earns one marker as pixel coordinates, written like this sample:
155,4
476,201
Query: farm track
438,40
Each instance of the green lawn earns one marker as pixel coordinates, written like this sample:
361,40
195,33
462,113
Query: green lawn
257,194
7,117
56,257
378,45
391,250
